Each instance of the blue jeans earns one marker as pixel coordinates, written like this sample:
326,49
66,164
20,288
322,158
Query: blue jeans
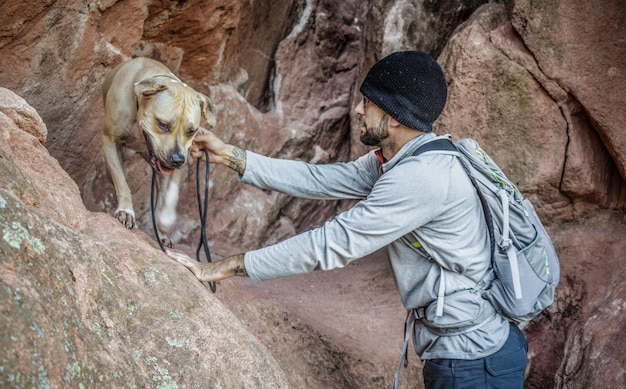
502,370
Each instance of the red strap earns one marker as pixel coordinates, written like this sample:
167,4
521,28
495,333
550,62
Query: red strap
381,158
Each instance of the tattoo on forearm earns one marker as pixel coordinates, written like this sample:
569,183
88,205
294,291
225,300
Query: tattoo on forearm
237,160
240,271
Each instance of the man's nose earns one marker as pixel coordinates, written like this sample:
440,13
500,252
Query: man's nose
359,108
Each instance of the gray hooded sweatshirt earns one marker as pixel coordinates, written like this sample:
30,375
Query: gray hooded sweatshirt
424,210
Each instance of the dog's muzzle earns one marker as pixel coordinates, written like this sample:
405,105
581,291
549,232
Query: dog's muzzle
176,160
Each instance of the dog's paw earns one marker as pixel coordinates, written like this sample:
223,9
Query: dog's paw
167,242
126,217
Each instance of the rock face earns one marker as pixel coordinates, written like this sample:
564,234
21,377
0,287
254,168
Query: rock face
79,293
541,85
549,143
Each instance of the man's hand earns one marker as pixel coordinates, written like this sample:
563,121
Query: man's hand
212,271
206,139
219,152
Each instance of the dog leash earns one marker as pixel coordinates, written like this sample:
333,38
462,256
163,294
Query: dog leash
202,210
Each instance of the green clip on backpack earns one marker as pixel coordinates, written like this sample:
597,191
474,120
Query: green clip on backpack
525,263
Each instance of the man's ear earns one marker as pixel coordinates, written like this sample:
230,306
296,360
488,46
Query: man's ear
393,122
208,109
149,87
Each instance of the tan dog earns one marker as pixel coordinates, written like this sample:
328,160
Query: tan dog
150,111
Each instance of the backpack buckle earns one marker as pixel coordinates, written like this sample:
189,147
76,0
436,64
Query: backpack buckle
420,313
505,243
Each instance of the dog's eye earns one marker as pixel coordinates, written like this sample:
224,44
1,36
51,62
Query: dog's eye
163,126
190,132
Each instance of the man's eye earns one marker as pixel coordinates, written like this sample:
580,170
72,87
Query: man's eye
163,126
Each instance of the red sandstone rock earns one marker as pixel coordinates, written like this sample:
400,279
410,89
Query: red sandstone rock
580,45
86,303
540,85
548,144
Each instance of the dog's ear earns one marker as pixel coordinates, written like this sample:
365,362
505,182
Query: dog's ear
208,110
148,87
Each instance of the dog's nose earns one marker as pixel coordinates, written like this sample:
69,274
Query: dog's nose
177,159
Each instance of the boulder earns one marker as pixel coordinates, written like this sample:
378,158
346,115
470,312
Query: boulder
86,304
555,32
549,144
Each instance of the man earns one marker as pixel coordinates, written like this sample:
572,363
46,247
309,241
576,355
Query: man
423,209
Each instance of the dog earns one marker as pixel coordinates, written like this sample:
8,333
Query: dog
152,112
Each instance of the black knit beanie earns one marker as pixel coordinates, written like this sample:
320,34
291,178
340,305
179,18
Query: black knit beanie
409,86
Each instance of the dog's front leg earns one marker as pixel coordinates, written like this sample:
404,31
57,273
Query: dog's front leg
115,168
169,193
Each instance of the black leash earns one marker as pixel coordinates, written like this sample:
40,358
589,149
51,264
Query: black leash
202,210
154,226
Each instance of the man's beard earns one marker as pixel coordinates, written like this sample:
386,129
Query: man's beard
374,135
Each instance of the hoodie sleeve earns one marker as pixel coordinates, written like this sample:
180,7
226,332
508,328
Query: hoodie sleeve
341,180
403,199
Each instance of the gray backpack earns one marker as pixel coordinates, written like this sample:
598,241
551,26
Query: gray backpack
526,266
524,261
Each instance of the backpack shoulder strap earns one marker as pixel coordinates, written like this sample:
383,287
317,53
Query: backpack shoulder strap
445,144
